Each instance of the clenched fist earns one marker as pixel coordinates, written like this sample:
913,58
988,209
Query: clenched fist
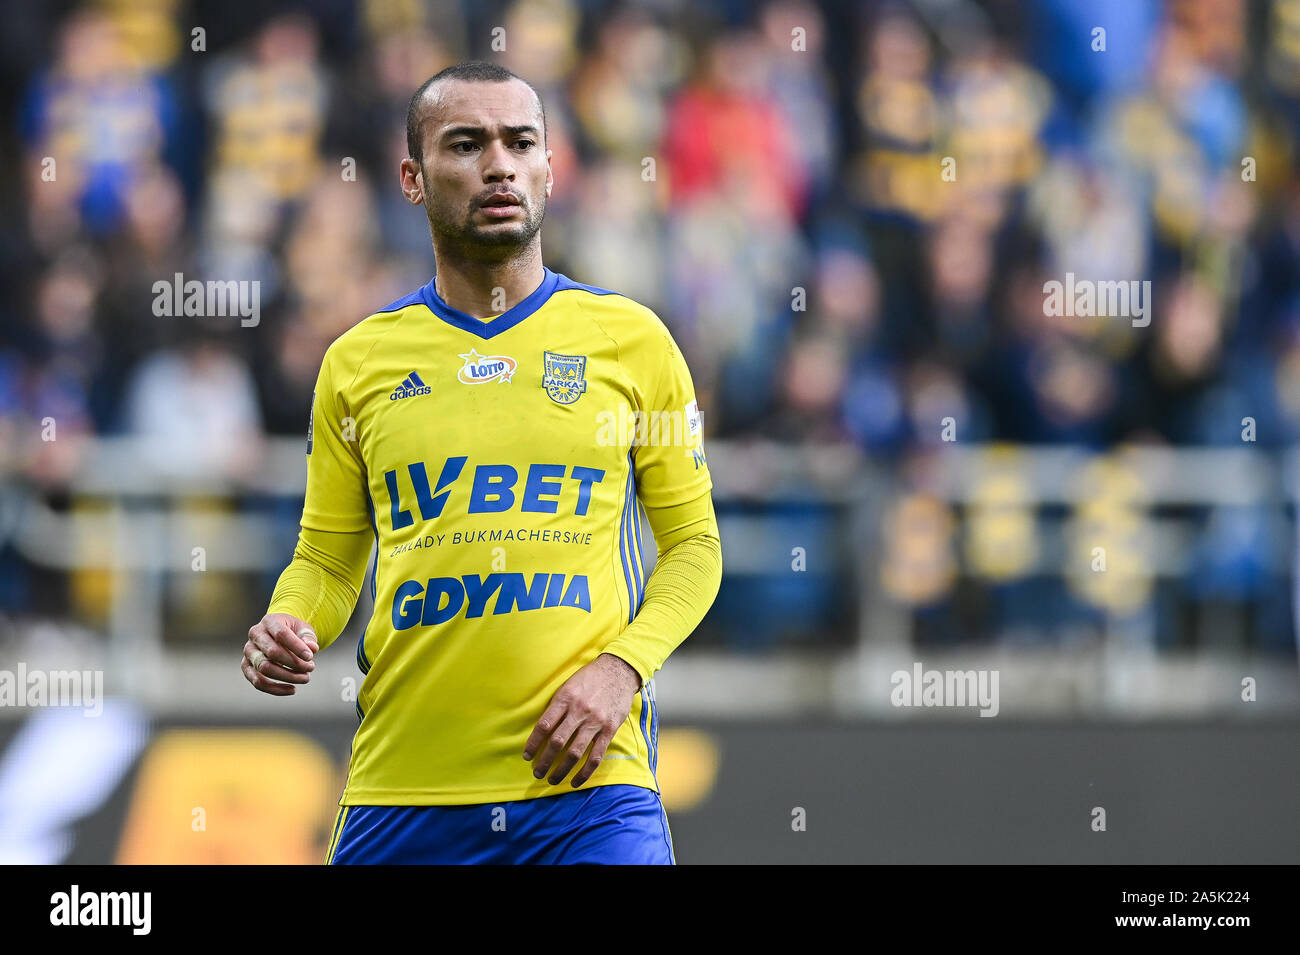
279,654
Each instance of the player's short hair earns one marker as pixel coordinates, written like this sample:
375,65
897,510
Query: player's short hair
473,71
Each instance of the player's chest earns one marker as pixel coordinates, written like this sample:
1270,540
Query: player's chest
512,401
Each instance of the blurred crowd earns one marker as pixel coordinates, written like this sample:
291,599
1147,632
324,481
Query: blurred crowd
846,212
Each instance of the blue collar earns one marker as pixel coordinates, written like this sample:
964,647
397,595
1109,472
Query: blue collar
503,322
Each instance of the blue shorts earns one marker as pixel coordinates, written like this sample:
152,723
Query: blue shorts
610,825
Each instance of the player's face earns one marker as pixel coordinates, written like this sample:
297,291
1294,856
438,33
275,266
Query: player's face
486,172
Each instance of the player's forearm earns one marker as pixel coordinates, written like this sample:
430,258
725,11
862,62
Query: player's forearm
678,594
322,582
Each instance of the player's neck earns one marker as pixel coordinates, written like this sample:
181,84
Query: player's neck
481,289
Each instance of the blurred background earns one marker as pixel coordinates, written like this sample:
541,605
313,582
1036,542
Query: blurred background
847,213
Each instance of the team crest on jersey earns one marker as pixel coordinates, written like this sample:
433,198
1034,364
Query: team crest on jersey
482,368
563,376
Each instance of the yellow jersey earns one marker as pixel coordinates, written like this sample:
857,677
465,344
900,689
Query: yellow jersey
498,463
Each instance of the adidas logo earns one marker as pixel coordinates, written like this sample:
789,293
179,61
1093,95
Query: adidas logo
411,387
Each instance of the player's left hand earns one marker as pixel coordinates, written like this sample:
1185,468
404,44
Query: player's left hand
586,710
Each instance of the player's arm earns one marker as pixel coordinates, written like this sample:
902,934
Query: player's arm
673,483
313,601
685,581
590,707
675,487
317,592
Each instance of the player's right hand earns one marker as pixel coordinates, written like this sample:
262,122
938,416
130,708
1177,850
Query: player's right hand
279,654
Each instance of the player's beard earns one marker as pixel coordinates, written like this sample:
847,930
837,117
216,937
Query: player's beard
462,234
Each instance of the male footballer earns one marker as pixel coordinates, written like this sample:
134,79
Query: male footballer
492,433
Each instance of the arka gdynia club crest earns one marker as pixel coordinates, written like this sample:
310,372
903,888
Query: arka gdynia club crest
563,377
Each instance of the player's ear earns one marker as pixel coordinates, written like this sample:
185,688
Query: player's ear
550,178
412,181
